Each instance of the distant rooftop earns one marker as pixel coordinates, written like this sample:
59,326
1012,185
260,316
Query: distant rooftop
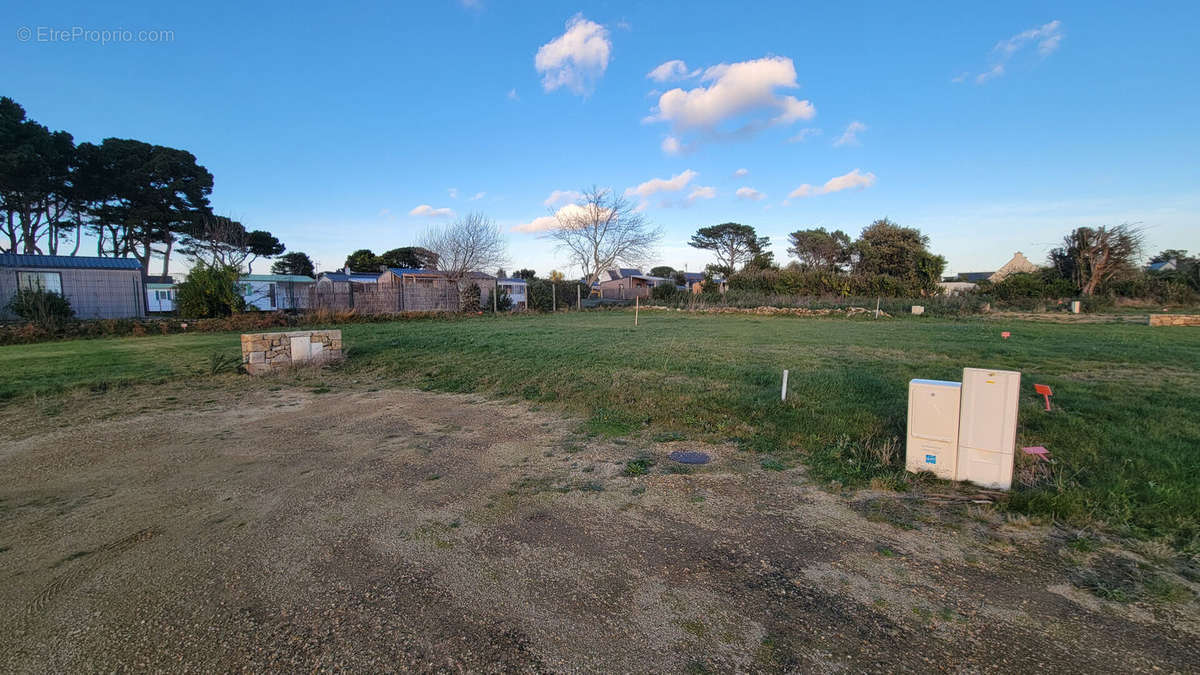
278,278
68,262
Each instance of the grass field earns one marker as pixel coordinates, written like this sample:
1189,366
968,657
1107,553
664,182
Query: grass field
1124,432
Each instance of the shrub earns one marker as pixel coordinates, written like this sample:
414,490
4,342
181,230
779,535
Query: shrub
469,298
209,291
46,309
539,294
664,292
795,280
503,300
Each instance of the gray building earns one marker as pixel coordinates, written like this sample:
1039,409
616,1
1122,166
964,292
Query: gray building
97,288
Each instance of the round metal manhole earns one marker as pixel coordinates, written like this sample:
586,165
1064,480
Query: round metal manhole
690,457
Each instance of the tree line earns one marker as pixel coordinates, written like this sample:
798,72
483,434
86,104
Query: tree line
885,259
135,199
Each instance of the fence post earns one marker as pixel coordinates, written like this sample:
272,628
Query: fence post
553,297
495,289
578,298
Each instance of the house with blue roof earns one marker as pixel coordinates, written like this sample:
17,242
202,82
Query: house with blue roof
97,288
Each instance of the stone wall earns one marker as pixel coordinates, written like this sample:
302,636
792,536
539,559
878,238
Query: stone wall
265,352
1175,319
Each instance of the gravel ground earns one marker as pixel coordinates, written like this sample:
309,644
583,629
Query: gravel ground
278,528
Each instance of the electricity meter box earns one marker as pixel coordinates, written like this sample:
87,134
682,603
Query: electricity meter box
932,443
987,432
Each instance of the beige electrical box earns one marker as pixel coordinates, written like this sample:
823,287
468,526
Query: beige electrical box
987,431
932,443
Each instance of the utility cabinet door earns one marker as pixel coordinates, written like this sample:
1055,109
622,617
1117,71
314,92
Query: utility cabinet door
932,443
987,432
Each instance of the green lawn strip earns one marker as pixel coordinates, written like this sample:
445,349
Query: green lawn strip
1123,433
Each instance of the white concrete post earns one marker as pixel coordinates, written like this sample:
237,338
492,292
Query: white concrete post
783,392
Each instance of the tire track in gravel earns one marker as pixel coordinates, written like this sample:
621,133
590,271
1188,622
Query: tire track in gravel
82,567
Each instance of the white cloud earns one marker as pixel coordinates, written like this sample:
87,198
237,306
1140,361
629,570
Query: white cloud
671,146
512,95
803,135
545,223
478,196
1047,37
430,212
702,192
383,213
852,180
736,88
562,197
749,193
540,224
996,71
738,99
741,172
453,192
575,59
850,135
671,70
655,185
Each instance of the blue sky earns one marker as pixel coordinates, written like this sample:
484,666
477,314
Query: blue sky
329,124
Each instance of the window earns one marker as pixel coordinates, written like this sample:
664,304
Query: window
40,281
164,295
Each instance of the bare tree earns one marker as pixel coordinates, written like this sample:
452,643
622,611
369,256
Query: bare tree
1093,256
472,243
604,230
217,240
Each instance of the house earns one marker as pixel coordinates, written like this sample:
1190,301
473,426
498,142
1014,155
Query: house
270,292
965,281
1018,264
694,282
343,277
627,283
1163,266
160,297
97,288
517,290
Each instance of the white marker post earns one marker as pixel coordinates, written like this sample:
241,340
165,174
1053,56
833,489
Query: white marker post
637,304
783,392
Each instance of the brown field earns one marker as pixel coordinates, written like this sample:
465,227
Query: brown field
271,527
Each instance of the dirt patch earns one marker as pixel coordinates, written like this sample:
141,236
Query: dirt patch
267,527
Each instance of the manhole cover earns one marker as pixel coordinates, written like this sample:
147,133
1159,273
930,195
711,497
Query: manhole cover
689,457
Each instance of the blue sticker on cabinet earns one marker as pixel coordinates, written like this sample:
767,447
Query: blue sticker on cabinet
931,459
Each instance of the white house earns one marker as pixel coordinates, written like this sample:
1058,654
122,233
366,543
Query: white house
160,297
517,290
270,292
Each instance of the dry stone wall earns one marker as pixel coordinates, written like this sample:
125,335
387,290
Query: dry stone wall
1175,319
265,352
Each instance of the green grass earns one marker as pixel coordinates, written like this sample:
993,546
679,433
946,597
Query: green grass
1124,433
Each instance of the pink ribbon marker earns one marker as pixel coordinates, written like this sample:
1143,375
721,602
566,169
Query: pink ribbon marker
1005,334
1037,450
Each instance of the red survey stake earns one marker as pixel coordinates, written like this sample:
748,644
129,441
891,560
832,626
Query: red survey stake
1044,390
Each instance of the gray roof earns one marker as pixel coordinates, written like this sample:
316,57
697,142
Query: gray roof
68,261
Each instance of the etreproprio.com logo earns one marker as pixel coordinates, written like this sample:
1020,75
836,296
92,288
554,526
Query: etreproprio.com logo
101,36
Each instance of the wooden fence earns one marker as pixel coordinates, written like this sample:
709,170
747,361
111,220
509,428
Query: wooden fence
439,296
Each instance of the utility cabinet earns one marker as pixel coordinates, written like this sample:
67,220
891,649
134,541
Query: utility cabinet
987,431
932,443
